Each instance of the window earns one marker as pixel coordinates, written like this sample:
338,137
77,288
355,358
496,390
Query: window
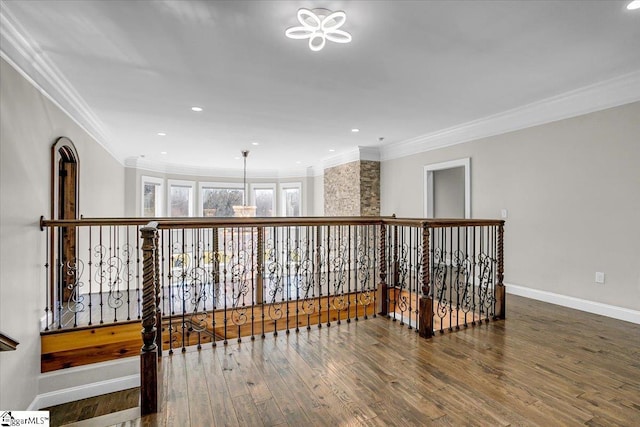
152,190
263,197
290,199
218,199
180,198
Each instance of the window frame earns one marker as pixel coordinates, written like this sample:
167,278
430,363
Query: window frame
181,183
282,187
264,186
144,179
215,185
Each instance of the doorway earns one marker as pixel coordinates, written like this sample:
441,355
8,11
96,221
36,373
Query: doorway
447,189
64,205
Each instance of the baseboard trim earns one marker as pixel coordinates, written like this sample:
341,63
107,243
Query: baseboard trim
84,391
620,313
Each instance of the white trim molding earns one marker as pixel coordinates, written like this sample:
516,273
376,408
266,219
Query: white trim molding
160,194
111,376
352,155
264,186
620,313
143,164
428,184
24,54
610,93
282,187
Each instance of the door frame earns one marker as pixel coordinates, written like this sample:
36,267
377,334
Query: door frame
428,184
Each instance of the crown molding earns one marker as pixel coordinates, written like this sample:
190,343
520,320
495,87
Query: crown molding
621,90
26,57
369,153
352,155
173,169
23,54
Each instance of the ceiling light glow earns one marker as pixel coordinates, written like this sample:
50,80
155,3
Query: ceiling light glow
163,152
255,143
355,130
635,4
319,25
162,134
196,109
331,150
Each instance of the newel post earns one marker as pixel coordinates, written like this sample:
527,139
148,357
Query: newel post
501,302
148,354
383,270
425,312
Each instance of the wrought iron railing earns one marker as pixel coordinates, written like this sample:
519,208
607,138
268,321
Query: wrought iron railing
457,265
198,280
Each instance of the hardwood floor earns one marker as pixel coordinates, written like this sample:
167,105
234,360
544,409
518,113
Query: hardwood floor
545,365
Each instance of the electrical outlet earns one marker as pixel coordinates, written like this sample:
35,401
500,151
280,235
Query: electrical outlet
503,213
599,277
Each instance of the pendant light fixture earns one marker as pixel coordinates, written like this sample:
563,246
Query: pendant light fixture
244,210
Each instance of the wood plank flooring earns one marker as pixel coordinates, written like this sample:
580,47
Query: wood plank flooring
544,365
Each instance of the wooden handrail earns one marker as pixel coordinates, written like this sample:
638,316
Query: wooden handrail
198,222
7,343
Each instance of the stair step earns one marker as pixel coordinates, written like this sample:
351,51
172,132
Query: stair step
131,415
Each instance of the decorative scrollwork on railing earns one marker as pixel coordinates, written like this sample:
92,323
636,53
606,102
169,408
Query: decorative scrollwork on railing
240,270
240,280
338,263
275,284
365,263
486,296
195,289
74,270
114,271
304,278
274,269
199,321
439,282
403,265
461,273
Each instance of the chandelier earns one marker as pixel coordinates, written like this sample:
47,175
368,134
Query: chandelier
319,25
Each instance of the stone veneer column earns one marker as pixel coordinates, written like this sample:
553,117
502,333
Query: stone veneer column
352,189
369,188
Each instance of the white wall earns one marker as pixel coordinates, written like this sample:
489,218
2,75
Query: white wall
29,125
572,190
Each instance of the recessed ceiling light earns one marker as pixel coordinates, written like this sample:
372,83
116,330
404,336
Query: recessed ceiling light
163,152
255,143
162,134
236,158
331,150
298,162
196,109
635,4
355,130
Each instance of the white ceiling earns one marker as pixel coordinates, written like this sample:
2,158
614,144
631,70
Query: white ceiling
127,70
